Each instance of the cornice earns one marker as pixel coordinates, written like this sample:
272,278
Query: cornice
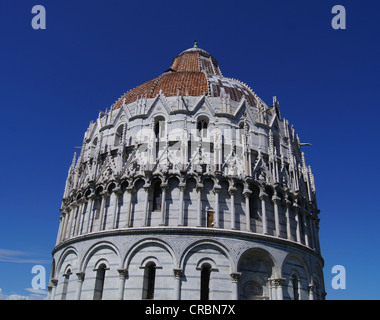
188,231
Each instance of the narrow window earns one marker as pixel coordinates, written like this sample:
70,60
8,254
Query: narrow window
205,281
99,282
149,280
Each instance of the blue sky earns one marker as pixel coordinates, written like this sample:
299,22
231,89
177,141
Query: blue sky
54,81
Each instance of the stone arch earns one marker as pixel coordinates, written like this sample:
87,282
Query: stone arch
256,266
317,282
67,266
69,250
213,243
99,267
295,263
138,179
220,261
144,255
111,185
91,251
147,242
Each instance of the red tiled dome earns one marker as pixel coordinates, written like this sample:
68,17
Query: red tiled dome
193,72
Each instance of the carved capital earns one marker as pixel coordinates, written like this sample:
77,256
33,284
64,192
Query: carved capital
247,193
178,272
231,190
277,282
122,273
217,188
262,195
182,186
117,190
80,276
235,276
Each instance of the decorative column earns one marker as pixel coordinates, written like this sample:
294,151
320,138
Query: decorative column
280,283
54,283
298,232
317,246
66,216
146,189
90,211
127,198
61,221
311,291
216,191
104,196
115,200
181,204
235,278
78,292
122,276
199,204
311,230
275,200
247,194
79,216
306,227
232,191
164,187
73,208
276,288
287,215
262,196
178,281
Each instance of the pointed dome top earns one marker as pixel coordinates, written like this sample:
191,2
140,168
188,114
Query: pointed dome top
193,72
195,60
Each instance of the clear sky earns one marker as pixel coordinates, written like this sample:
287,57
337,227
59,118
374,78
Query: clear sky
54,81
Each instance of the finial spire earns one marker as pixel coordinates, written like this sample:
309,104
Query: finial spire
195,44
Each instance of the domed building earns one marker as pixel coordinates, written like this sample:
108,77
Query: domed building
189,187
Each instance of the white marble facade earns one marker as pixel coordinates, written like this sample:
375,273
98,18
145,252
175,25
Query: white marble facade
189,197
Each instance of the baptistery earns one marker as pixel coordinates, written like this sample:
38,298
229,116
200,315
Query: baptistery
189,187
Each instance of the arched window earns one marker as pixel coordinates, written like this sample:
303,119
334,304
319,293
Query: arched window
202,126
205,281
295,287
66,278
119,135
149,280
242,132
157,194
99,282
159,127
